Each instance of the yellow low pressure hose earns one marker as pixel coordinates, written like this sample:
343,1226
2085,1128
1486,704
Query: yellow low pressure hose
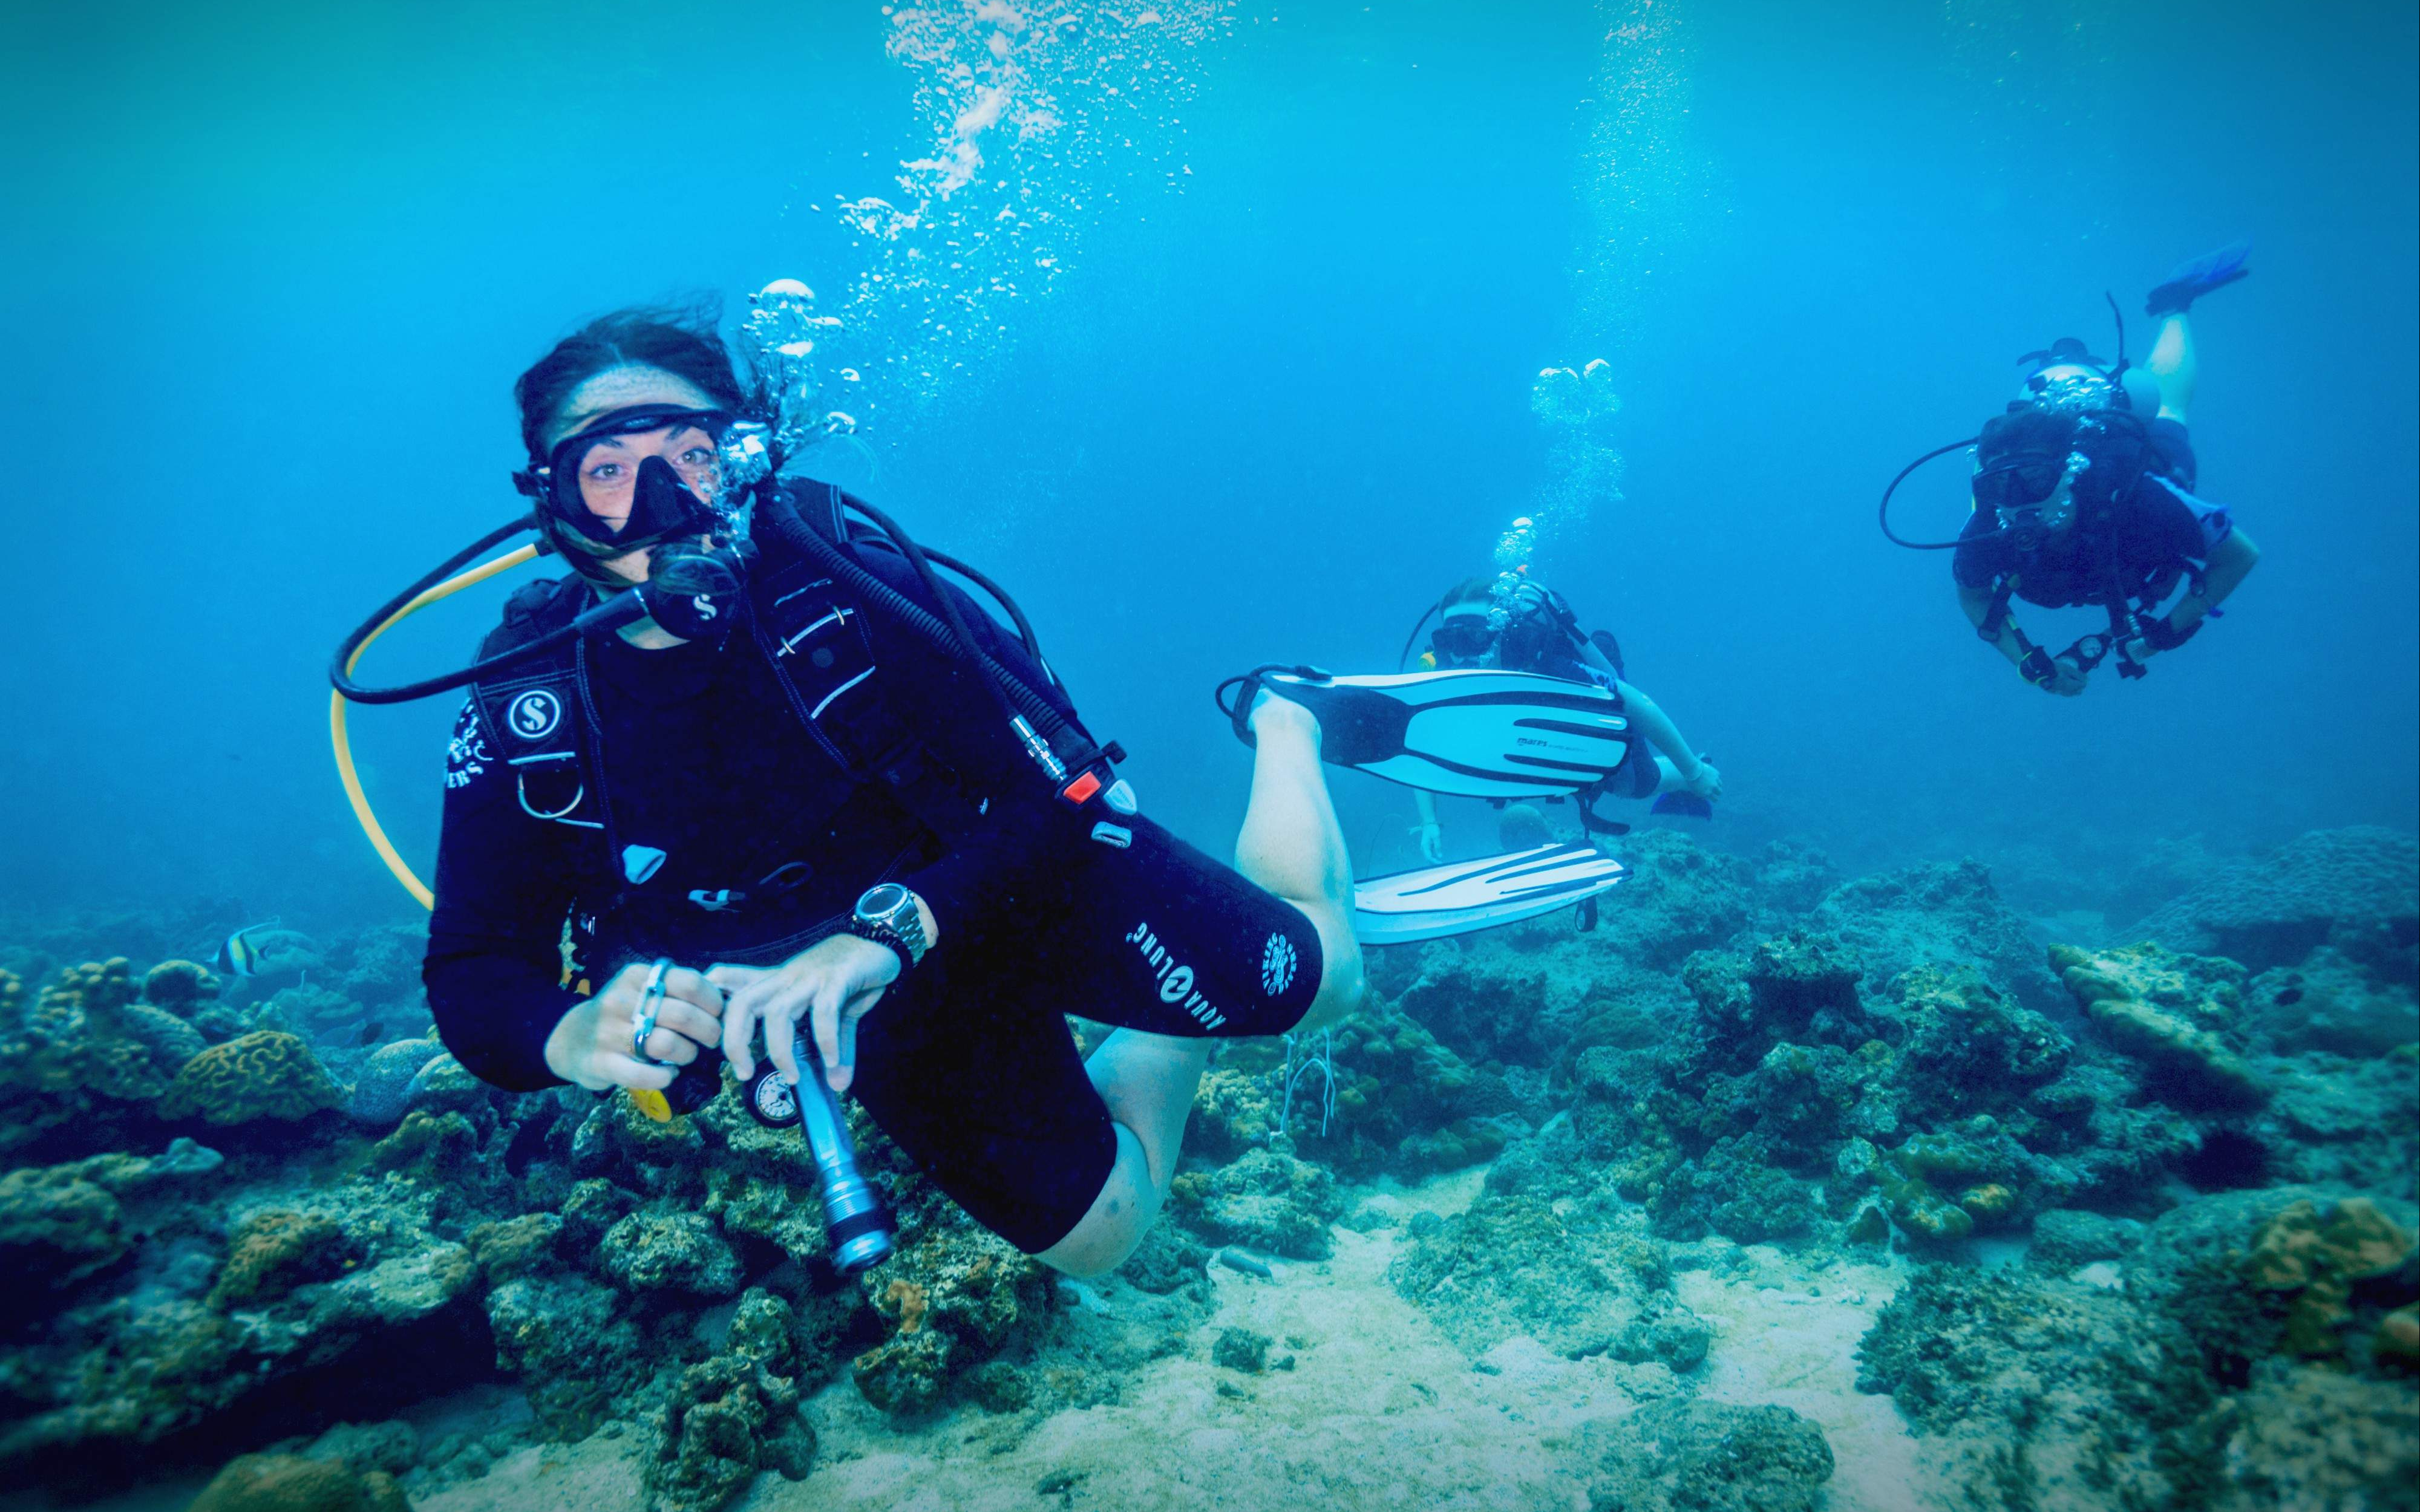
343,743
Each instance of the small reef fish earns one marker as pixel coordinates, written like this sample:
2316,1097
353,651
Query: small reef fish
259,948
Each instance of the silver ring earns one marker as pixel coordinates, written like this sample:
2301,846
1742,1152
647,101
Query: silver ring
643,1023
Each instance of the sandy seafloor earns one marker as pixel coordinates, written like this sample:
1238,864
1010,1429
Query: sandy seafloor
1380,1413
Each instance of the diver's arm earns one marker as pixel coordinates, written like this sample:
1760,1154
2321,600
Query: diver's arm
2052,674
2231,562
1649,720
1428,832
1594,654
2012,643
494,967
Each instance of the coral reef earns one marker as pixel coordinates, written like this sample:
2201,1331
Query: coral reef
1707,1456
2176,1375
953,1296
1378,1093
1935,916
80,1067
1583,1281
2175,1013
264,1074
732,1417
2207,1141
2358,889
1268,1200
290,1483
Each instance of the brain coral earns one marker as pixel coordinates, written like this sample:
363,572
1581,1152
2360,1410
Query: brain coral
264,1074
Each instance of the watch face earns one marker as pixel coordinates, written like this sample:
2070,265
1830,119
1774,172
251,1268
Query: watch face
879,901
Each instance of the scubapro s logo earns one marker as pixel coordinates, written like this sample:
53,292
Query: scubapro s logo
1277,964
534,713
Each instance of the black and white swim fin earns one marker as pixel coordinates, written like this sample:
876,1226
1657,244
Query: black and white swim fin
1457,898
1470,733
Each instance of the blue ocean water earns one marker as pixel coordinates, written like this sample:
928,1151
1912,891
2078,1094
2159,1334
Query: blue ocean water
271,275
1225,332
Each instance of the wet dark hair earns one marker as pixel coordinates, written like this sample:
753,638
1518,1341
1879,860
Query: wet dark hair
1469,589
678,339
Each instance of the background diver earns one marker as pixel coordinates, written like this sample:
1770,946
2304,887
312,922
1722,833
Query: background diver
1540,633
2083,496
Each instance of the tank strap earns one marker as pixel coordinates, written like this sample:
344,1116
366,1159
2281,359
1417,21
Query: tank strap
538,712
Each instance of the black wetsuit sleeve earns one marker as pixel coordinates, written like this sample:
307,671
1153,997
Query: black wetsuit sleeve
494,965
1981,556
988,878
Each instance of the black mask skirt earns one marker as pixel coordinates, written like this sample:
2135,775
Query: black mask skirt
660,504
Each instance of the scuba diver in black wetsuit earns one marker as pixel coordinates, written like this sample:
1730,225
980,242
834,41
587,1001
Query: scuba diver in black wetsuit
1536,631
814,790
2083,496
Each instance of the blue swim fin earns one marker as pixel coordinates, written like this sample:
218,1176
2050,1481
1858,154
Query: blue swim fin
2190,280
1686,805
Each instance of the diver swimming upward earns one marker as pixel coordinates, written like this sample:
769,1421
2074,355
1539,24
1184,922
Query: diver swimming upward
2083,496
795,791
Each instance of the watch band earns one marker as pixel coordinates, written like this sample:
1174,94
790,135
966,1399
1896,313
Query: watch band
888,914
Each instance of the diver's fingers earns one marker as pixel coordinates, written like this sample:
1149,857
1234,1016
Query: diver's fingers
825,1023
782,1030
622,1070
731,978
664,1045
773,1002
739,1032
857,1009
688,1021
694,987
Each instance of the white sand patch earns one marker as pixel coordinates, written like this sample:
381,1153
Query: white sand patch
1379,1415
594,1473
1379,1412
1788,1335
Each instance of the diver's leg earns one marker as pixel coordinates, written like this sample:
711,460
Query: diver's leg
1147,1081
1292,845
2174,365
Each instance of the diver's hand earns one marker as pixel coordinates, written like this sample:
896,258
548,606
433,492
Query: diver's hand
1431,840
828,986
591,1047
1705,781
2067,677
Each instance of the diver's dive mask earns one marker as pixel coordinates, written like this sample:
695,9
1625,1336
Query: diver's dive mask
2025,494
663,491
1464,636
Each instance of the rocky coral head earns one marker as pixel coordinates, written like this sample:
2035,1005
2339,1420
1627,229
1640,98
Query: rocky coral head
2172,1011
2318,1257
290,1483
178,985
2353,1241
264,1074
